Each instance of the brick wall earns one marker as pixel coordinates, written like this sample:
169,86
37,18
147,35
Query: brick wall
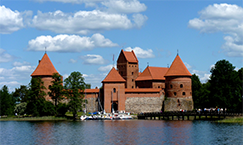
178,87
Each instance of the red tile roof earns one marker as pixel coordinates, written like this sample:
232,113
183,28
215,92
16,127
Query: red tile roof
178,68
143,90
113,76
152,73
91,90
45,67
130,56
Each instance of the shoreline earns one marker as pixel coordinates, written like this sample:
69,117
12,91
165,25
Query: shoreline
67,118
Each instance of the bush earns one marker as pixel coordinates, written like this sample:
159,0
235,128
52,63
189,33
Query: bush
62,108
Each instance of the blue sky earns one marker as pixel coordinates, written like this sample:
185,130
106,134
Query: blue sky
83,35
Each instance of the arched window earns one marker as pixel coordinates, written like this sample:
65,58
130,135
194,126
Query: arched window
114,90
171,86
183,93
132,73
174,93
181,86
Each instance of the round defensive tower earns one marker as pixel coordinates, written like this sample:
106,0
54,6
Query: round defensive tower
178,87
45,70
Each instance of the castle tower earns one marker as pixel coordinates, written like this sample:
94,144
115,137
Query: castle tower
45,70
114,91
178,87
127,65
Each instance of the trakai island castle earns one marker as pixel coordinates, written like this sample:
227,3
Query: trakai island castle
126,89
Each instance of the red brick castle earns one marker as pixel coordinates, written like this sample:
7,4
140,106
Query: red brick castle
125,89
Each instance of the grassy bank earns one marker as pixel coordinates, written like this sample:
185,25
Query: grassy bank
44,118
68,116
231,120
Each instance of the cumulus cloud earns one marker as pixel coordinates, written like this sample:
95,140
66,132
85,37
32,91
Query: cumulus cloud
93,59
82,22
140,53
69,43
17,72
106,68
5,57
20,72
124,6
11,21
224,18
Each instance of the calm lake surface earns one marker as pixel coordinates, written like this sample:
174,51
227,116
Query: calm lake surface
119,132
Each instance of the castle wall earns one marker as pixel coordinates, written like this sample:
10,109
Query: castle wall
175,104
144,102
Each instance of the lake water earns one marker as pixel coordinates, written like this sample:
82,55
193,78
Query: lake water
119,132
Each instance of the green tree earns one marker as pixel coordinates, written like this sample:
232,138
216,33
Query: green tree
56,89
7,102
204,101
225,89
196,88
35,97
21,94
74,86
20,108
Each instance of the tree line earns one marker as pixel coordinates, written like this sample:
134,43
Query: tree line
222,90
31,100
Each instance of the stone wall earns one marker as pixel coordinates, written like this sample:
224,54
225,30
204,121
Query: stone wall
92,105
175,104
144,104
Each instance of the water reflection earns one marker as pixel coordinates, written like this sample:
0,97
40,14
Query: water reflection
119,132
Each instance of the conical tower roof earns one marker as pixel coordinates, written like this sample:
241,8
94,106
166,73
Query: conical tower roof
177,68
153,73
113,76
45,67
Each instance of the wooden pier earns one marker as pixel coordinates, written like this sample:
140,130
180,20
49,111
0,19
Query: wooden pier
177,115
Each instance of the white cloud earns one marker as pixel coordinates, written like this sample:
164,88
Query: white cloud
17,72
203,75
10,21
93,59
21,63
5,57
69,43
72,61
139,20
224,18
71,1
106,68
114,6
124,6
188,66
140,53
9,83
20,72
95,79
82,22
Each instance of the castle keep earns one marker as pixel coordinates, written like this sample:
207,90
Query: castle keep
126,89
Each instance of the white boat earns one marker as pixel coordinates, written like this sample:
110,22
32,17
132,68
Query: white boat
83,117
125,117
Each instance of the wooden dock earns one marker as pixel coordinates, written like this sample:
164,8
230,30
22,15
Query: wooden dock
192,115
